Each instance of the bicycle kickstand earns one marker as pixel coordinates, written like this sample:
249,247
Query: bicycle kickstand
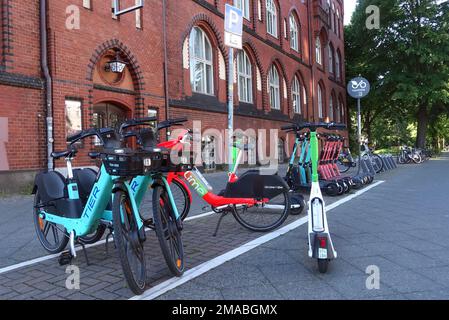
85,252
110,234
219,222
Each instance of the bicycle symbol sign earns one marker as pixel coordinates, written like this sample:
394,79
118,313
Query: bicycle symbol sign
359,87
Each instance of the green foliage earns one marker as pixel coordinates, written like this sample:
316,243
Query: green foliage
407,62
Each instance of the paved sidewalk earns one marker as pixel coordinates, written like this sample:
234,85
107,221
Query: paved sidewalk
392,226
400,226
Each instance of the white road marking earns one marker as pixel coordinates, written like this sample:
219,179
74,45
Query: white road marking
195,272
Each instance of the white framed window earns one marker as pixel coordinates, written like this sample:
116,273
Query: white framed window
318,51
245,77
201,62
338,22
281,151
331,59
245,7
342,112
338,113
296,96
338,66
294,33
73,117
320,101
272,18
331,109
274,88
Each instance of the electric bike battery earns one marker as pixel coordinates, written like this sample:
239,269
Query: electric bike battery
254,185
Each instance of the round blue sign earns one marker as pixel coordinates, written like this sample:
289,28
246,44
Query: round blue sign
359,87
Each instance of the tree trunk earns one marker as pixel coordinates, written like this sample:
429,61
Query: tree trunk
423,121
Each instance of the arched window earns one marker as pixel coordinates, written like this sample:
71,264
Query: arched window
318,51
331,109
274,88
272,18
338,24
294,33
343,114
331,59
244,6
296,95
338,65
201,62
281,151
320,101
338,112
245,78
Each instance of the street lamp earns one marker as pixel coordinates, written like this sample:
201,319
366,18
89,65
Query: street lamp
116,65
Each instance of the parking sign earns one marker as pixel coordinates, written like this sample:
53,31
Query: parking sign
233,27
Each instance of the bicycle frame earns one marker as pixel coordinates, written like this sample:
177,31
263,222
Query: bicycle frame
194,180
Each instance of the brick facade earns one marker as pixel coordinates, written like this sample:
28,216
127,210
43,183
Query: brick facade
75,57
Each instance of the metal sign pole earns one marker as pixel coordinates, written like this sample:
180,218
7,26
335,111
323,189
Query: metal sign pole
359,132
359,88
230,108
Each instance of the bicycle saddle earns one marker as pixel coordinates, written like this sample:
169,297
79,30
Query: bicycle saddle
62,154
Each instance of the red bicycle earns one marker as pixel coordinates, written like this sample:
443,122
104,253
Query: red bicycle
259,202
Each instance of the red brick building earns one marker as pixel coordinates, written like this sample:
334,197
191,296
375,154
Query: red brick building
291,68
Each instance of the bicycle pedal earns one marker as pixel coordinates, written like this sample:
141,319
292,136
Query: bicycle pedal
65,258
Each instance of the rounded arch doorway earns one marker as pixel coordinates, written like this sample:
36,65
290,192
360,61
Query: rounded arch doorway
108,115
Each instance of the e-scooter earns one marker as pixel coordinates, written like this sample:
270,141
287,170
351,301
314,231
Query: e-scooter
320,242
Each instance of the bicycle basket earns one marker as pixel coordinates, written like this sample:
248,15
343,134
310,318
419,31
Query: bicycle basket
131,163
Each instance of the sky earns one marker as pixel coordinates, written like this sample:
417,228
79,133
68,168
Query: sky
349,9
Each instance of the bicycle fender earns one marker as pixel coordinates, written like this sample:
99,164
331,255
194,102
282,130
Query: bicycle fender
119,187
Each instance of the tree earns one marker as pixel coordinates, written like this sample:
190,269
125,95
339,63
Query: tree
407,60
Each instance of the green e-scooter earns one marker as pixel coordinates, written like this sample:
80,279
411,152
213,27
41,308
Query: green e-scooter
320,242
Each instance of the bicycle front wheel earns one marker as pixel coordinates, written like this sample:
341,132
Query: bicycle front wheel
167,231
128,242
265,217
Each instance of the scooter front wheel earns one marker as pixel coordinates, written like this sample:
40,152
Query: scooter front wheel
323,265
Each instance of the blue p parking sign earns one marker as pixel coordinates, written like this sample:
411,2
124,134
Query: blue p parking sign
233,27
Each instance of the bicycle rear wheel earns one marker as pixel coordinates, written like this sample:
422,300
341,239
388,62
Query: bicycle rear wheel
53,237
266,217
128,242
167,231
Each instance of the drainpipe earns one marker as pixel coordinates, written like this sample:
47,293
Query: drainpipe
48,83
311,61
164,27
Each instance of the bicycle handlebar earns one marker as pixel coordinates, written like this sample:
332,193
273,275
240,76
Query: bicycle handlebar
136,122
313,126
171,122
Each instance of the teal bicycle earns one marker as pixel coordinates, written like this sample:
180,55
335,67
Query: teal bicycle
77,209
